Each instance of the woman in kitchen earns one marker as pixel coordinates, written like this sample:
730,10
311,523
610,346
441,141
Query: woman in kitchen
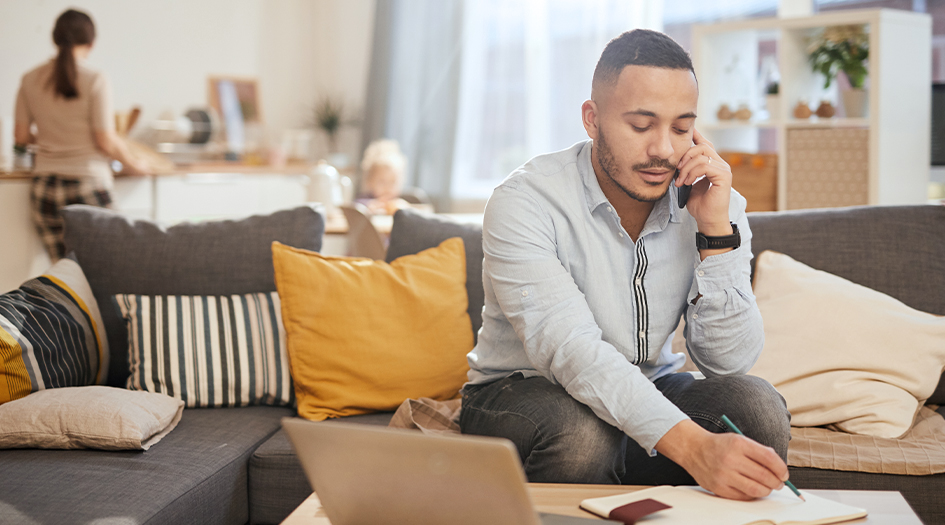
71,108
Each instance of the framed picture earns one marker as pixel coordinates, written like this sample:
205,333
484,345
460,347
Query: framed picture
236,100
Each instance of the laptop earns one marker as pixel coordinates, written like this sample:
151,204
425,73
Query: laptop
373,475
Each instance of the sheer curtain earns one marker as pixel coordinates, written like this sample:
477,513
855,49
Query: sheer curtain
475,88
413,87
527,68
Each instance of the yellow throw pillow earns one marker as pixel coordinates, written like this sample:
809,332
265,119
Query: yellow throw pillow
364,335
842,354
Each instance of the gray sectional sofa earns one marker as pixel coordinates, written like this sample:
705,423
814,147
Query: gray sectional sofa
198,473
235,465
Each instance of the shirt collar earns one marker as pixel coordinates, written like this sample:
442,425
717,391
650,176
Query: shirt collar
665,211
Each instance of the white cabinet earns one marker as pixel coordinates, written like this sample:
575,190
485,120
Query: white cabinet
894,138
205,196
23,254
134,197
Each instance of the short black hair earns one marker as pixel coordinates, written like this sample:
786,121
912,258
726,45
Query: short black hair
640,47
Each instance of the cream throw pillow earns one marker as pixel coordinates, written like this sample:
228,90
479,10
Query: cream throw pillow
98,417
842,354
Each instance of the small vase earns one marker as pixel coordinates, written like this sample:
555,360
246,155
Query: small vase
855,102
773,105
802,110
825,109
743,113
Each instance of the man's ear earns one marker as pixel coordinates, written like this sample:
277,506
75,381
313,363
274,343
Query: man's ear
589,116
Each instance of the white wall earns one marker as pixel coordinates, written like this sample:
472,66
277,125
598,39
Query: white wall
311,49
158,54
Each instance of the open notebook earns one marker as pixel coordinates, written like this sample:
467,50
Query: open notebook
696,505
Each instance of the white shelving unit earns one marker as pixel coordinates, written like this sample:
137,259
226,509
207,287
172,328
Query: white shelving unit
897,142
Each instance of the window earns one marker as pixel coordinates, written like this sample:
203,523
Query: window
526,70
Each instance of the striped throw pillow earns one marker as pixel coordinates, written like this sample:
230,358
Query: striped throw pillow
209,351
51,334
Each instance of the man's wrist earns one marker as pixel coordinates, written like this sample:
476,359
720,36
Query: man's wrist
715,229
681,441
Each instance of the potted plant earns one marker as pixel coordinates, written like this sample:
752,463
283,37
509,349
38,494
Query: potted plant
328,118
843,48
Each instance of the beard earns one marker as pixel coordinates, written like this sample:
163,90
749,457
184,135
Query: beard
608,164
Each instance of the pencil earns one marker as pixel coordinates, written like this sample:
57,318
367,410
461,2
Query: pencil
729,424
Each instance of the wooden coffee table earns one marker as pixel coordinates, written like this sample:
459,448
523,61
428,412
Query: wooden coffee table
887,508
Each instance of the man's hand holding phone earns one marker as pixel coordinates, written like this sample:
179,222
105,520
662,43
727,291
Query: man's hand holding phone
711,179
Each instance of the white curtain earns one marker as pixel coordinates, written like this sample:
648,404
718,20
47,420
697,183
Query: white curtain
413,87
526,70
474,88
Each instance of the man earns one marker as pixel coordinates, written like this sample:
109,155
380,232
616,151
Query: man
590,263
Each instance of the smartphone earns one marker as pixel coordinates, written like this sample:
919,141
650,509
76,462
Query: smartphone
682,192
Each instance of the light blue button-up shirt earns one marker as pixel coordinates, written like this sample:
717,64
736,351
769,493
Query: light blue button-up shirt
571,297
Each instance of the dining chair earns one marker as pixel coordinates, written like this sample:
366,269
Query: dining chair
363,238
415,195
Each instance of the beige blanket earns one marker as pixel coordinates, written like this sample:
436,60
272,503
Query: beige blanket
920,452
428,416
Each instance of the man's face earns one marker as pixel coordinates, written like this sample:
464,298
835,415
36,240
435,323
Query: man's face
644,125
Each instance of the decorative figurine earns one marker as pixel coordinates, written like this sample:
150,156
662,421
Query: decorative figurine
743,112
826,109
725,113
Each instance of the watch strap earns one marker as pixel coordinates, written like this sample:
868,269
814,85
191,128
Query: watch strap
706,242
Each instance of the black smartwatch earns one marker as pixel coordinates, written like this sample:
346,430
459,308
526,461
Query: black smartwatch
704,242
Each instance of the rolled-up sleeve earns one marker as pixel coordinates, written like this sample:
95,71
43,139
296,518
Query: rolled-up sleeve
552,318
102,115
724,331
22,114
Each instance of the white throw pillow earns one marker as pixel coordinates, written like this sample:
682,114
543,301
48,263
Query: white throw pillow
842,354
88,417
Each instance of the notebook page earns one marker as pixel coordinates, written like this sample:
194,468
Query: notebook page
695,505
783,506
688,506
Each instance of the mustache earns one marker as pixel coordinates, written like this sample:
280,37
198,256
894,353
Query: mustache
654,163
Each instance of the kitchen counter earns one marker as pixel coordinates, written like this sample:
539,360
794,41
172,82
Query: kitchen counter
300,168
192,192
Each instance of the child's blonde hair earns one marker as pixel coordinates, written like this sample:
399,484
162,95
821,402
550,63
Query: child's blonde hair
384,152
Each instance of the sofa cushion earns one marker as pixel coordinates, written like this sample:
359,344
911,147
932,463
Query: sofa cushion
414,232
364,335
121,255
197,474
923,493
51,334
99,417
207,350
277,483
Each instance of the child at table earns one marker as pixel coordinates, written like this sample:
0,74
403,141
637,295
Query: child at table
382,170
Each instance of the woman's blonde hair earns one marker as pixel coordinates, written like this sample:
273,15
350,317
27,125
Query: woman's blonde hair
384,152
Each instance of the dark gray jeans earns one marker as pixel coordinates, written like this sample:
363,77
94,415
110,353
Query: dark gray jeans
560,440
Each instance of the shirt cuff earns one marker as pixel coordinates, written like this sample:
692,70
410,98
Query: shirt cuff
720,272
659,427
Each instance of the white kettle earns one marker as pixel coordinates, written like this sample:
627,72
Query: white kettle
329,187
